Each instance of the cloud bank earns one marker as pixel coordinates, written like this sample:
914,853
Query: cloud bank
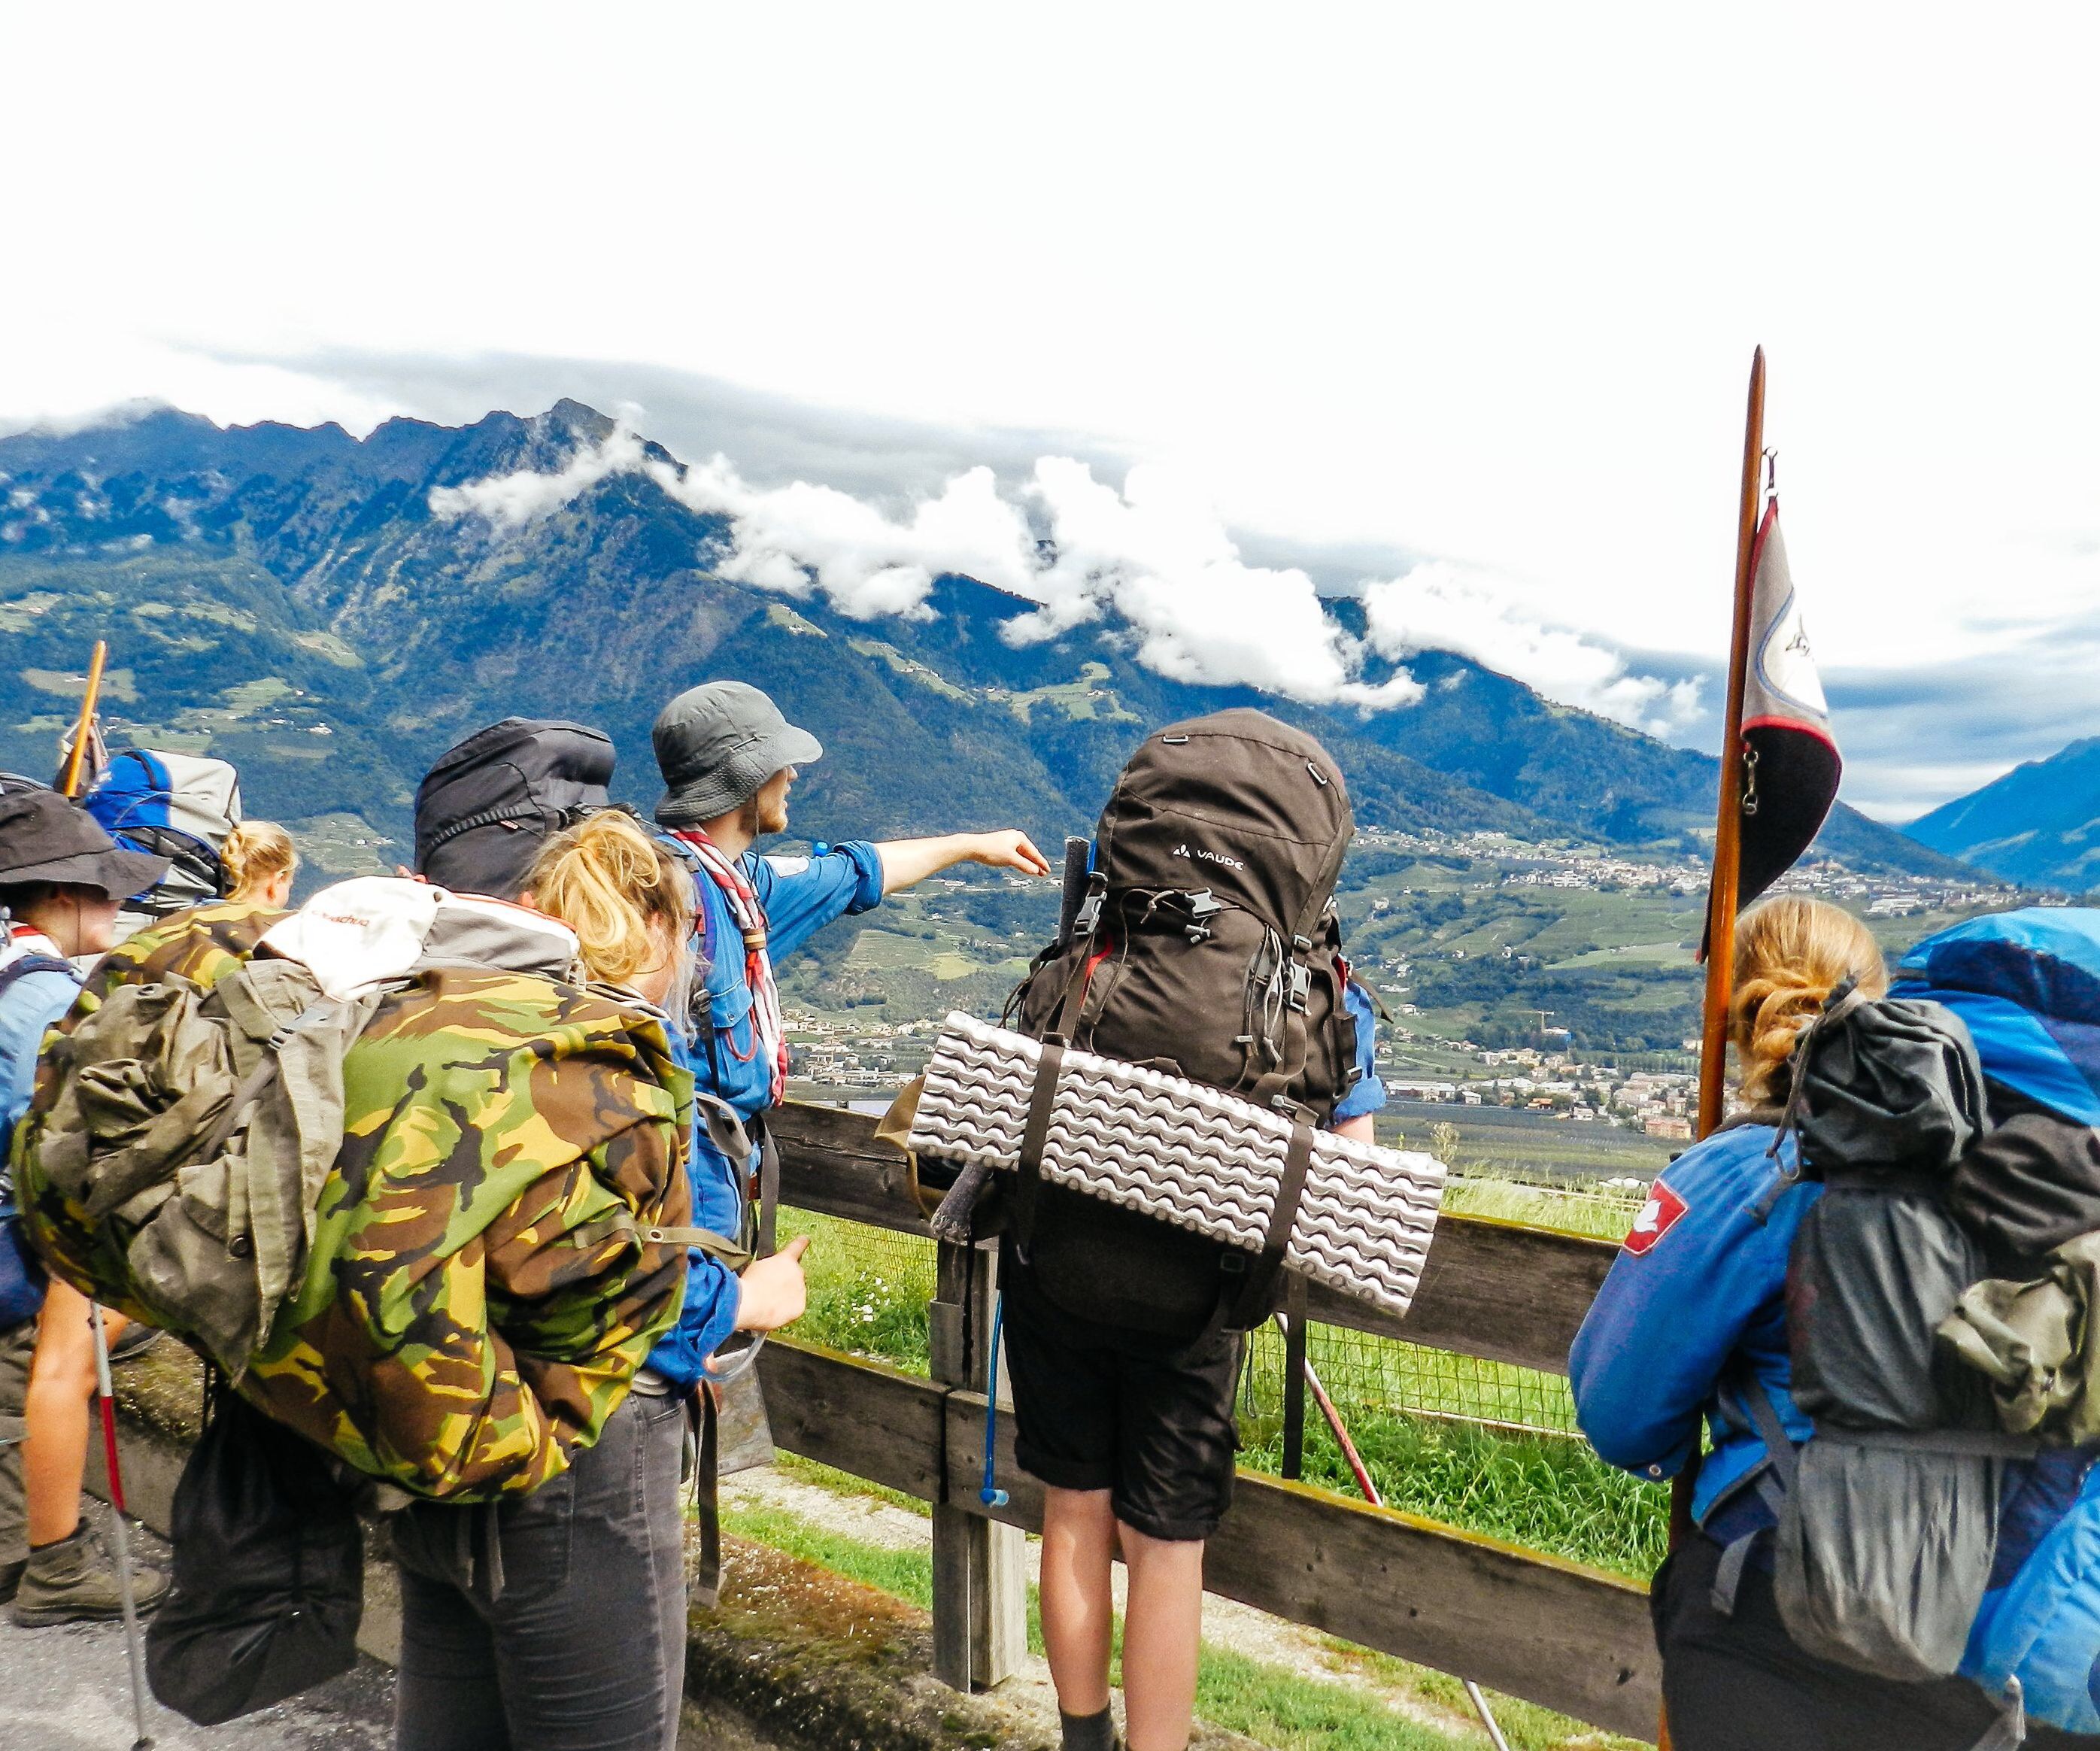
1151,554
1441,607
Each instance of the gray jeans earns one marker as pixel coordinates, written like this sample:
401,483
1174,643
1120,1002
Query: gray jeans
18,1348
556,1622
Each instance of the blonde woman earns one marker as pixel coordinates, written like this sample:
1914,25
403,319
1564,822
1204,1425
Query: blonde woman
261,862
631,903
1696,1300
573,1633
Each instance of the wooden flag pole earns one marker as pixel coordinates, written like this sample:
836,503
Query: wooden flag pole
69,785
1722,889
1728,822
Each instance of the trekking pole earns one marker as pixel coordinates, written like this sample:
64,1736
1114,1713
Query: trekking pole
69,780
1473,1693
106,1397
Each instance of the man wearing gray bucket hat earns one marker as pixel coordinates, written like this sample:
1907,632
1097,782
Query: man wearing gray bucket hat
62,879
728,759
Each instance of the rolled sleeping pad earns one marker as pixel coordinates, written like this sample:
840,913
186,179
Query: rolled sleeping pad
1078,856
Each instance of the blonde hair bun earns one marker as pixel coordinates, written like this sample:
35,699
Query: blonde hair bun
252,853
1791,953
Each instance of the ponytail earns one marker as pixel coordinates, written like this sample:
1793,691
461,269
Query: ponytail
625,897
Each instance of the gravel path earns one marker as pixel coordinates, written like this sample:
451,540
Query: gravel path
1227,1624
68,1688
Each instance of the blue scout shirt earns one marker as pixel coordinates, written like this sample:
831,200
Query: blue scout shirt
1369,1095
799,896
28,1008
1699,1287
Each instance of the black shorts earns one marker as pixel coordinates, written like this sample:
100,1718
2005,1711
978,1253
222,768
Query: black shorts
1099,1407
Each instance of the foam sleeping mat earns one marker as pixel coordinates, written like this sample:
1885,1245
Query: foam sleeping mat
1185,1153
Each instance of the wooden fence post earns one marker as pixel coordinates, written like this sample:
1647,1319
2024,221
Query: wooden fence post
980,1566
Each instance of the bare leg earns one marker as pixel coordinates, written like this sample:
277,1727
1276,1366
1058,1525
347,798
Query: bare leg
1162,1630
61,1383
1078,1609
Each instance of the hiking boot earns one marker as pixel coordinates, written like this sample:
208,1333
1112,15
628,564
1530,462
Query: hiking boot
75,1581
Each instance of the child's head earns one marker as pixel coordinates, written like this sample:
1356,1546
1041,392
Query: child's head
1791,953
260,863
628,899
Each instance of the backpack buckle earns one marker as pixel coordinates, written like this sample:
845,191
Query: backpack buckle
1088,919
1203,905
1301,987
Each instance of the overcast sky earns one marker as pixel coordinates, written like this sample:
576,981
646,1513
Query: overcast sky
1463,293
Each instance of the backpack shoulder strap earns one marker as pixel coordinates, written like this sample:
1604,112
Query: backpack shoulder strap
1251,1306
1029,1164
29,963
1745,1395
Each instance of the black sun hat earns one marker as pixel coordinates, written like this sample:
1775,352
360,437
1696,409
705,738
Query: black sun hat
43,837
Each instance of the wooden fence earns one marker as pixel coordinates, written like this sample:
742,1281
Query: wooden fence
1556,1633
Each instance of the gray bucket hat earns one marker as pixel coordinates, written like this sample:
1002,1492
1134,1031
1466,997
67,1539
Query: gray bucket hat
45,838
716,745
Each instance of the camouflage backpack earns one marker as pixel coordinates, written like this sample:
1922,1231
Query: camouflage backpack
487,1253
193,1129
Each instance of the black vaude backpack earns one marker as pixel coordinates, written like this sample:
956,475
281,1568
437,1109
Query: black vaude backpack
484,809
1888,1517
1206,946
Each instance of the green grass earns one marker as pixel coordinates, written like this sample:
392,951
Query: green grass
1600,1214
868,1289
1545,1493
838,1482
906,1575
1274,1706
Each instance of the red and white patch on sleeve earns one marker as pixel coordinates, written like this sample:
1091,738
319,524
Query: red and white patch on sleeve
1657,1217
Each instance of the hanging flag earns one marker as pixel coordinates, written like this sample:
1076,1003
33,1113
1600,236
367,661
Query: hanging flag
1790,760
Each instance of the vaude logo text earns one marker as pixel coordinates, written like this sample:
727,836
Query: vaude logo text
1203,856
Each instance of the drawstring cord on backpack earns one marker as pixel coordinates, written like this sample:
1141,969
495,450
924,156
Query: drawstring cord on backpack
1844,998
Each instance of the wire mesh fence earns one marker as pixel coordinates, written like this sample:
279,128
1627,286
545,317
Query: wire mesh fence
869,1288
1380,1376
1475,1444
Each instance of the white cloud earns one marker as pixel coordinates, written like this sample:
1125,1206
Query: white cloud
1441,607
512,501
1154,554
800,538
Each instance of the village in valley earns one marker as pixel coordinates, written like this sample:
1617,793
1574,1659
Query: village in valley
1452,931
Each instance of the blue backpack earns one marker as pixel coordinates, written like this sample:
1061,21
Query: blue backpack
176,806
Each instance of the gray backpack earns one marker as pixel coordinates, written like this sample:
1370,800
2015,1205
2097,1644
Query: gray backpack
1888,1518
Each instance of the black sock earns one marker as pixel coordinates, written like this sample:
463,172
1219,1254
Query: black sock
79,1527
1089,1732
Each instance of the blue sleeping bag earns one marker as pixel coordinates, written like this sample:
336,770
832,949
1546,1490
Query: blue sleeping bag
2027,984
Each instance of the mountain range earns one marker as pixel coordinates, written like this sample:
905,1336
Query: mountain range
2038,824
285,597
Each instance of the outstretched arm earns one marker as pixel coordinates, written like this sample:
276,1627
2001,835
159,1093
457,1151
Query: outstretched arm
906,861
